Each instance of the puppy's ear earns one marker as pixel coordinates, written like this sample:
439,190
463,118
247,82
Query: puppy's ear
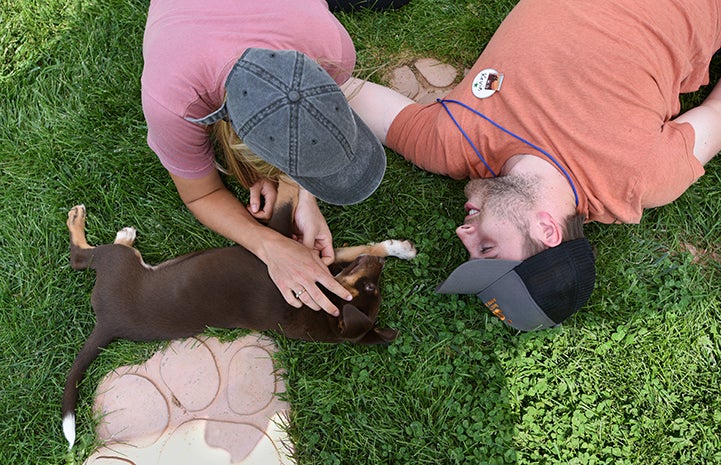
379,336
353,323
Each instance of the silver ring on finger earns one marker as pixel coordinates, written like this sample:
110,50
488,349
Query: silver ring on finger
299,293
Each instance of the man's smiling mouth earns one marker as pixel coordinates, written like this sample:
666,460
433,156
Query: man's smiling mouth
471,210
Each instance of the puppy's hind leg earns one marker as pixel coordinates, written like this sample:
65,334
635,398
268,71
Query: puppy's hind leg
76,226
80,251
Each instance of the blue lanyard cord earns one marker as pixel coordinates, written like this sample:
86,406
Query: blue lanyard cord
480,156
473,146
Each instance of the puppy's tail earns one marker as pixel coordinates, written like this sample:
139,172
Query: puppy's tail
95,343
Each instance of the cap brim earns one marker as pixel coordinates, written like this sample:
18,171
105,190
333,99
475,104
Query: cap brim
508,298
501,290
361,177
476,275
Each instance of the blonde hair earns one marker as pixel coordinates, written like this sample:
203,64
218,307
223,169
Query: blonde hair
238,160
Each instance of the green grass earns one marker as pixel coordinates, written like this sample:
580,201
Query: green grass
632,379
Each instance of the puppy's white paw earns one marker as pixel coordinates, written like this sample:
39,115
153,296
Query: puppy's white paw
398,248
126,236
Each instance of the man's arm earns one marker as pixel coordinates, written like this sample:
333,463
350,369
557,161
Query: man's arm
706,122
377,105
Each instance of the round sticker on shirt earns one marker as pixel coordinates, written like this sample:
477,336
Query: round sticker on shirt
487,83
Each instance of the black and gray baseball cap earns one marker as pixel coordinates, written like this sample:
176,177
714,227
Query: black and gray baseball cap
539,292
292,114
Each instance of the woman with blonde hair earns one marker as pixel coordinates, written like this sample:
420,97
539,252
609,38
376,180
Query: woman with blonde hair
248,72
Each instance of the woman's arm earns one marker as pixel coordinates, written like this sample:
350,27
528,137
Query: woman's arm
291,265
311,228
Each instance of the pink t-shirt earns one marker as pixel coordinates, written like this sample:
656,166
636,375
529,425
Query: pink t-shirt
189,48
593,83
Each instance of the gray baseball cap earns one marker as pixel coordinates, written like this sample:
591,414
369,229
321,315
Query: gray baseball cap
539,292
292,114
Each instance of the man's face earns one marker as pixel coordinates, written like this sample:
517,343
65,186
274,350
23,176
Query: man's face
497,217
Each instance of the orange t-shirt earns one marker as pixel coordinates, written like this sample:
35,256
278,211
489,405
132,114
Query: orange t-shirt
595,84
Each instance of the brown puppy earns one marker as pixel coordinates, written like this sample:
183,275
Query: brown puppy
225,288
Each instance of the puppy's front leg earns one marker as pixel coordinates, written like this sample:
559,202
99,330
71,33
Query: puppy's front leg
126,236
389,248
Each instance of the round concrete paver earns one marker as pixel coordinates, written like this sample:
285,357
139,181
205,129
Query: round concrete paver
425,81
437,74
199,401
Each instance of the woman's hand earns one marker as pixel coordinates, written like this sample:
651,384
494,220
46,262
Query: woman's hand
304,265
297,271
262,199
311,228
294,268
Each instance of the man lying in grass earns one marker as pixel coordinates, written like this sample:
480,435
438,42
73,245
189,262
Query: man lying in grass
570,114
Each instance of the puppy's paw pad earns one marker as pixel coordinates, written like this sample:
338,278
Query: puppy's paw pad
401,249
77,213
126,236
